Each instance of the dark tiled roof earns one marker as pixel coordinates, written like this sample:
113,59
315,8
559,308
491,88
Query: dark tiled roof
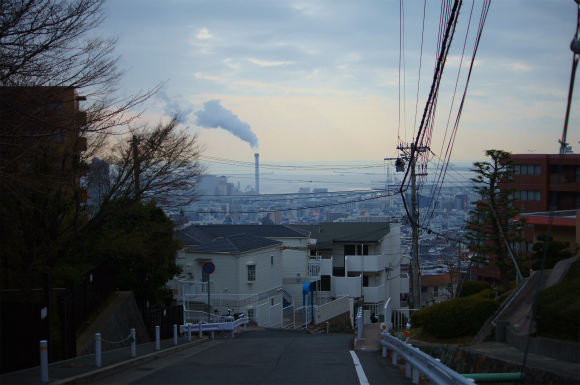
234,244
267,231
193,235
328,233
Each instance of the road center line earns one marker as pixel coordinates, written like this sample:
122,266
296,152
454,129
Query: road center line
359,369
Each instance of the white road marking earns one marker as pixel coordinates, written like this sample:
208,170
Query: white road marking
359,369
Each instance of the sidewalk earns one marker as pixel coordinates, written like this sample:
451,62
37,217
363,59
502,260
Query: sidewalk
371,338
83,369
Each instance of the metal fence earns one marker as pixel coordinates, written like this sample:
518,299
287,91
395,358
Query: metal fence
163,316
401,318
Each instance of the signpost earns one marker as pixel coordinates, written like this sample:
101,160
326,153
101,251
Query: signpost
208,268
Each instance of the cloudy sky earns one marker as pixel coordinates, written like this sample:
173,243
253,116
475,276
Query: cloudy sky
320,81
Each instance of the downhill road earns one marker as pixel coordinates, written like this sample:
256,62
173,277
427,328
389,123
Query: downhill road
267,357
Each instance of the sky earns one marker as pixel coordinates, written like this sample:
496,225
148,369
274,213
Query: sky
329,81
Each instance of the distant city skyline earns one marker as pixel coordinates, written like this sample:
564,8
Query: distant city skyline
319,81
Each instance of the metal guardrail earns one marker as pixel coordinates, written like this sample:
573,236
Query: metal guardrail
214,327
421,363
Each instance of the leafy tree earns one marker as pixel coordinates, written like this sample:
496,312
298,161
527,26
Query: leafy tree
557,251
494,211
140,239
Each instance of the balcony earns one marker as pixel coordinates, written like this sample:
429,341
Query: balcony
366,263
349,286
375,294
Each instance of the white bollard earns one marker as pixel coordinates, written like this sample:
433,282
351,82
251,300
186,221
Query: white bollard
174,334
189,332
43,361
133,340
98,350
157,338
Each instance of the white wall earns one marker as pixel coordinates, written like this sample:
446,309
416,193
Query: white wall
268,275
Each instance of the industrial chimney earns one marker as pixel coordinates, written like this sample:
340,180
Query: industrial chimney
257,156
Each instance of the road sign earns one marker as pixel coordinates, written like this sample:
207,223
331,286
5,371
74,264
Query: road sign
208,267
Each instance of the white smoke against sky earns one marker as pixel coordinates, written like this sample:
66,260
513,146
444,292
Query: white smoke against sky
214,115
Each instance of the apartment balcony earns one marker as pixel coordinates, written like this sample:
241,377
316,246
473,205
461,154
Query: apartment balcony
375,294
349,286
81,144
326,266
366,263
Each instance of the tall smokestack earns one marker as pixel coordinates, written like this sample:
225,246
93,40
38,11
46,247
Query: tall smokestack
257,156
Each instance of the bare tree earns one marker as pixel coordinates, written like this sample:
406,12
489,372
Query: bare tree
159,163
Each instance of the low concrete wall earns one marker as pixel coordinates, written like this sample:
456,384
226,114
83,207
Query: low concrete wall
114,323
559,350
466,360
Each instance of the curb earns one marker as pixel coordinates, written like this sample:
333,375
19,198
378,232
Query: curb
122,366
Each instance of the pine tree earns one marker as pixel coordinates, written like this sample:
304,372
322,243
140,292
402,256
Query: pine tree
494,212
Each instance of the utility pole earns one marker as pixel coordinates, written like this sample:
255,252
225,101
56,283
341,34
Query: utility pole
410,155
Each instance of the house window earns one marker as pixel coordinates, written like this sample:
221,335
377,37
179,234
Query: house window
251,273
349,250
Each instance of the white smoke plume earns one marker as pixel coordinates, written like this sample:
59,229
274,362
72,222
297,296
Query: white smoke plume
215,116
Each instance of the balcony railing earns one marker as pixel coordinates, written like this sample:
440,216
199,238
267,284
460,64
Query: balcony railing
314,268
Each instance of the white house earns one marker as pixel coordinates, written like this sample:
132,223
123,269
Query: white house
247,273
284,278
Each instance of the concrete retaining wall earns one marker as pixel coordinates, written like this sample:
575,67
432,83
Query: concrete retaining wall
114,323
465,360
558,350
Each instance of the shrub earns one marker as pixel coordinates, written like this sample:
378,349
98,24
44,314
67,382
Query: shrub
419,317
455,318
473,287
558,314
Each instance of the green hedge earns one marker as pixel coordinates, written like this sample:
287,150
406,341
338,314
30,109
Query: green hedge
558,314
474,287
454,318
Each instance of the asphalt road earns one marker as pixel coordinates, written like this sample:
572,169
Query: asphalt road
267,357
